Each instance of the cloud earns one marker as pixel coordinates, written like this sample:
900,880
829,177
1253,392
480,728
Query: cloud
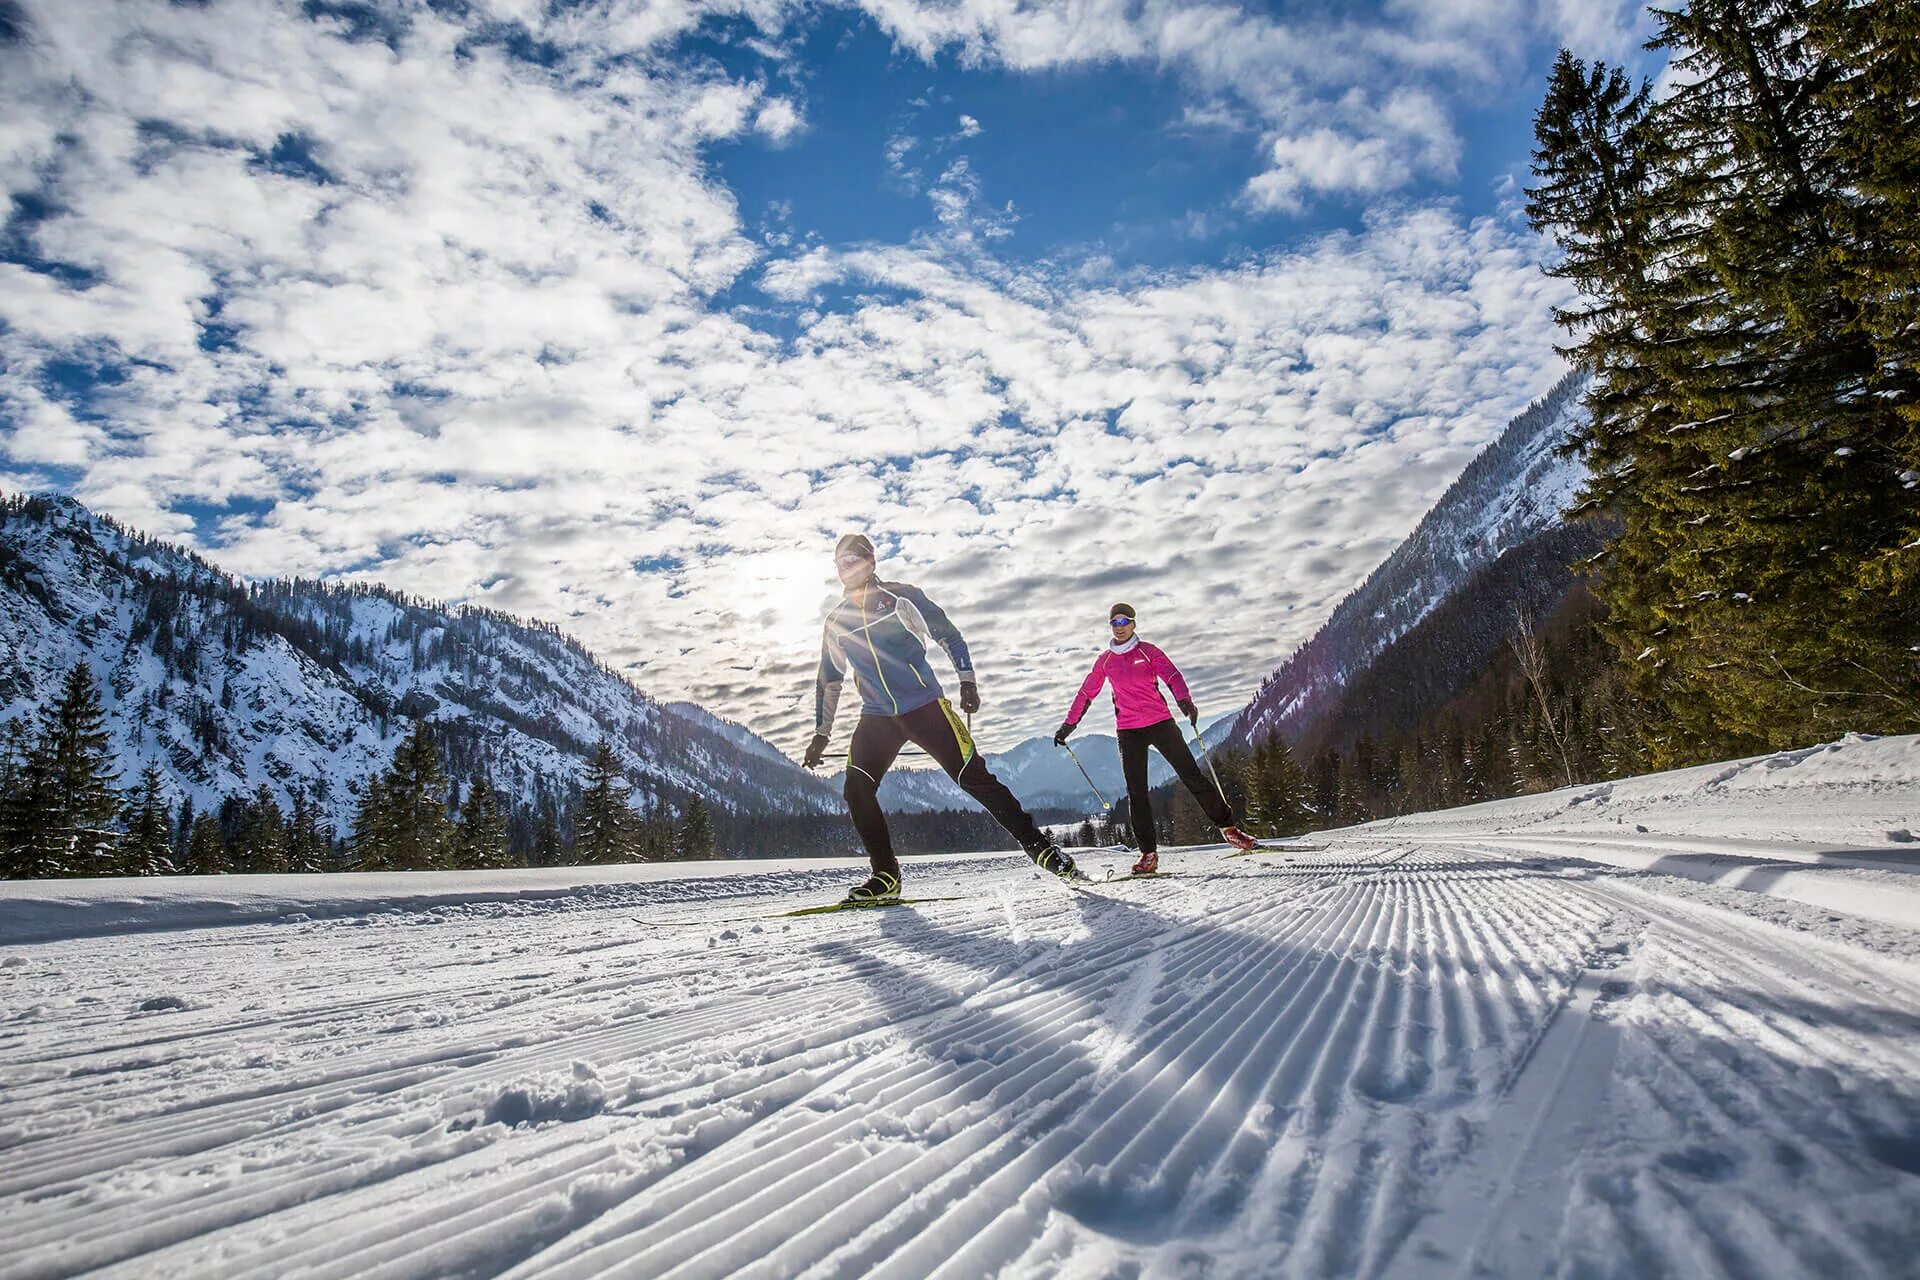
1273,73
408,307
958,205
1611,29
778,120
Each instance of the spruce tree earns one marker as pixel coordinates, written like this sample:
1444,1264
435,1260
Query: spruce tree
549,850
70,785
147,849
604,826
309,842
1350,794
206,851
18,814
1286,807
1187,823
481,841
419,828
260,847
1744,308
372,845
694,839
183,830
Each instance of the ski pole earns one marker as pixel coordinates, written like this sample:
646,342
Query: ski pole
1194,728
1104,806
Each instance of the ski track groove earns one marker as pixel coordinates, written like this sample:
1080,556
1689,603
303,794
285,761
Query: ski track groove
1273,1059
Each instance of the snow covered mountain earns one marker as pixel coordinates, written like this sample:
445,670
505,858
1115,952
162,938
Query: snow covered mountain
1509,498
303,685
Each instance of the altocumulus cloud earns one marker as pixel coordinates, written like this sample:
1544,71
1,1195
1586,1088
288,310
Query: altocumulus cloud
443,301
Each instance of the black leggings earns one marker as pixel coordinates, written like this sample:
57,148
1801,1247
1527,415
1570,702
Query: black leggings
940,733
1173,745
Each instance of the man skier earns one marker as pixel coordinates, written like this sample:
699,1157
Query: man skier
1135,669
879,633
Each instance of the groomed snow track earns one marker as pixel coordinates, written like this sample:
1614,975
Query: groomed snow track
1378,1059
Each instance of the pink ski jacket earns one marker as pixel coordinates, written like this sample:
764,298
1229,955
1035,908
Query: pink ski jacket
1134,670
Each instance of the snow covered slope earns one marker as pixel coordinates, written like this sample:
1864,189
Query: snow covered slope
1516,490
302,685
1448,1048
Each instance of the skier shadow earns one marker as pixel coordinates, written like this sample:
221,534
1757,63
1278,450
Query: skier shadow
1142,1070
1084,1052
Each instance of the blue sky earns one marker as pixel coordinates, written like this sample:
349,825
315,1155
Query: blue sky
1105,159
615,313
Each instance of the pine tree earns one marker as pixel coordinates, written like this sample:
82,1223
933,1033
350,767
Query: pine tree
548,848
69,786
260,847
1741,248
1285,807
373,846
309,842
604,826
481,841
694,840
18,814
419,830
206,851
148,847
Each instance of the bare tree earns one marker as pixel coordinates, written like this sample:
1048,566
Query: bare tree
1533,661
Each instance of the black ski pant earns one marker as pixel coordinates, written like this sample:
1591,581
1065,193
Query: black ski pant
1172,744
936,730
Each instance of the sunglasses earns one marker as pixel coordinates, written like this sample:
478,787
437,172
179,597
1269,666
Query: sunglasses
850,559
1121,621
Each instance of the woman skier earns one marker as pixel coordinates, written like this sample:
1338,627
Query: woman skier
1135,669
879,634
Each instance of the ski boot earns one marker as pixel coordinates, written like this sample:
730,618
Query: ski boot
1149,864
1239,839
1054,860
878,887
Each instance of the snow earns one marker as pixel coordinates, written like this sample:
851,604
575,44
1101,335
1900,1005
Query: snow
1523,1038
237,714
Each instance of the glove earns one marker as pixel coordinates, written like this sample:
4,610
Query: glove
969,696
1060,735
1191,712
816,749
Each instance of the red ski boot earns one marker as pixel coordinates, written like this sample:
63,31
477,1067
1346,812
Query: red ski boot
1149,864
1239,839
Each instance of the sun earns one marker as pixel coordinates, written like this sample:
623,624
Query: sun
793,586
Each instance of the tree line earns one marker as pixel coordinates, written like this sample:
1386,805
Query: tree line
1746,255
65,812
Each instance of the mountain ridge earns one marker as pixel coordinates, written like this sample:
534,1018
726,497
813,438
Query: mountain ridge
294,684
1514,491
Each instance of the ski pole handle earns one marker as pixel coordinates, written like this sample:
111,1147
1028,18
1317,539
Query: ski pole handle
1104,806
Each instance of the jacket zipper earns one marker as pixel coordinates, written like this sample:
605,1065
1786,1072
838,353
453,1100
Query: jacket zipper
868,632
